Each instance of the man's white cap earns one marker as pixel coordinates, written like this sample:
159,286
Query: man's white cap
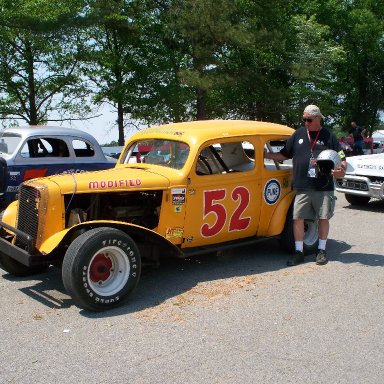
313,110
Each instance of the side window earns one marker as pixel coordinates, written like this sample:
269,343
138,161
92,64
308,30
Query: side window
36,148
59,148
275,146
82,148
44,147
222,158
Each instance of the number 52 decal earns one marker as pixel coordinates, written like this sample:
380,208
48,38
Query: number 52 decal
213,206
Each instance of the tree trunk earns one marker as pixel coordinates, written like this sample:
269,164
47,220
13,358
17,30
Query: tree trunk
201,102
33,119
120,123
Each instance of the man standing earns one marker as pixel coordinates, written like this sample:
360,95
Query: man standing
315,197
358,138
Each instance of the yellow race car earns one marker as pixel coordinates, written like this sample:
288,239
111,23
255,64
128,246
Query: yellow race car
176,190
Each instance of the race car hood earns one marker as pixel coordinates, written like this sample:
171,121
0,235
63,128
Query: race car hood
366,165
112,180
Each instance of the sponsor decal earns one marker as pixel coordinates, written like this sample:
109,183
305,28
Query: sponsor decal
114,183
168,131
272,191
70,171
12,189
34,173
341,154
189,239
178,196
174,233
178,209
371,166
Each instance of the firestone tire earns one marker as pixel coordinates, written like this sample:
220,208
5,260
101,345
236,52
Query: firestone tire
101,268
311,235
357,200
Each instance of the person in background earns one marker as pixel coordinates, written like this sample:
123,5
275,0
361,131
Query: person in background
315,197
358,134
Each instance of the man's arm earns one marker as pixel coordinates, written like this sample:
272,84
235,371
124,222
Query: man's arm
277,156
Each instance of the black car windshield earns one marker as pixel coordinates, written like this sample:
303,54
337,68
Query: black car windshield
168,153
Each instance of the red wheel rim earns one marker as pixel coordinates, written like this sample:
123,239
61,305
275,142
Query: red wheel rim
101,268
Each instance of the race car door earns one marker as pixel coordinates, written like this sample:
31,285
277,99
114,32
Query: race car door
222,195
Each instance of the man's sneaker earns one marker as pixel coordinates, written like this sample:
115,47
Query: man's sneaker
296,259
321,257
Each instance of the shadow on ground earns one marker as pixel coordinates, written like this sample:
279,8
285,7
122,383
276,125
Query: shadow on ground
372,206
177,276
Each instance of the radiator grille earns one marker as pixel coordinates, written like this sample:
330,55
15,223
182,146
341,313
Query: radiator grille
352,184
28,218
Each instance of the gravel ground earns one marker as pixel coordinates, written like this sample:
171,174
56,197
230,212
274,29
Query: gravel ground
238,317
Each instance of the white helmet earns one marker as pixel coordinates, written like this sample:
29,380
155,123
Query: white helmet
328,160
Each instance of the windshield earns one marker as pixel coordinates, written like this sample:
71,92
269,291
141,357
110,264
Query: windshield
169,153
9,142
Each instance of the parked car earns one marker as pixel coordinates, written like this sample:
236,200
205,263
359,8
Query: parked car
30,152
378,146
364,179
192,188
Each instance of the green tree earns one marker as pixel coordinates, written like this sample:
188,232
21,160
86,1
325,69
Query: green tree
39,61
358,27
110,54
363,75
204,33
314,60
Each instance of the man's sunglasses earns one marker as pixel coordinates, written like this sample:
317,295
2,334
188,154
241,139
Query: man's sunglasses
307,120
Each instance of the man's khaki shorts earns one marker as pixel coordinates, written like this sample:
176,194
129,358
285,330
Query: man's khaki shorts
312,205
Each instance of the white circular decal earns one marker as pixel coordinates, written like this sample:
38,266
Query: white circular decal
301,141
272,191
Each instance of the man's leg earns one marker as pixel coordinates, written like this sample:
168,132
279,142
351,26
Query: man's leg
321,256
298,233
323,229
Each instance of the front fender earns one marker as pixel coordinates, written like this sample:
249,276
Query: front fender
64,237
9,216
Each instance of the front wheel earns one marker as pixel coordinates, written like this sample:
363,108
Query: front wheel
357,200
311,235
101,268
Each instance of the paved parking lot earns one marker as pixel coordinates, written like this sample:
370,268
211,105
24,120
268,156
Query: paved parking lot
238,317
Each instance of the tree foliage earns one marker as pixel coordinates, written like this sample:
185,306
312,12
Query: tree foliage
39,61
173,60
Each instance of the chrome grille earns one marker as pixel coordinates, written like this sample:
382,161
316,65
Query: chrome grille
352,184
28,218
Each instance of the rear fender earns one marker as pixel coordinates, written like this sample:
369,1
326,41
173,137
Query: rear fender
65,237
276,225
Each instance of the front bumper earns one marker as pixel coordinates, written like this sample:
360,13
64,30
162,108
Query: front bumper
29,256
361,186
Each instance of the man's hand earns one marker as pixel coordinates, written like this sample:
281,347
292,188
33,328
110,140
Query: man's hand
338,173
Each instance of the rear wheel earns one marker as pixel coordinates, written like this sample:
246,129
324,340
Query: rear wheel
357,200
311,235
101,268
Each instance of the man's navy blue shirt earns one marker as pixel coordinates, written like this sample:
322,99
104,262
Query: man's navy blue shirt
298,148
